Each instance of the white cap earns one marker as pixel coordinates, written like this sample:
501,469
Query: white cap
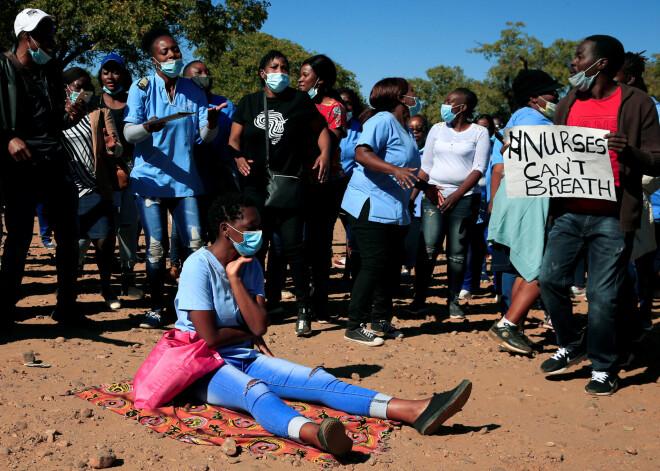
28,19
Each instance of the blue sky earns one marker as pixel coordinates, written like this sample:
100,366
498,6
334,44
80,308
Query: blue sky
381,38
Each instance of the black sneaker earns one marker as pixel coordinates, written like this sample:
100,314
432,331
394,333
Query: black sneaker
509,338
304,322
456,311
562,360
602,383
386,329
364,336
322,317
416,308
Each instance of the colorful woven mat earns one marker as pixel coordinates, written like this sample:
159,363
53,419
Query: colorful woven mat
204,424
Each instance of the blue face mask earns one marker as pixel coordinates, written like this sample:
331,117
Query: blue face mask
581,81
73,96
250,245
416,108
312,92
446,113
277,82
172,68
39,56
110,92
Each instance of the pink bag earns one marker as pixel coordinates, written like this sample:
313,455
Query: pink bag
178,359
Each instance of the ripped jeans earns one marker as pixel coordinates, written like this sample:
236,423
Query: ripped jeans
153,214
456,225
258,385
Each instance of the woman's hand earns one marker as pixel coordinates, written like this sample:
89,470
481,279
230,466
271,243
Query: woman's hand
233,268
405,176
152,128
213,114
75,111
260,343
243,165
110,140
434,195
323,164
449,203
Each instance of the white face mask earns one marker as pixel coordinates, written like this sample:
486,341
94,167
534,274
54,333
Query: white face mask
581,81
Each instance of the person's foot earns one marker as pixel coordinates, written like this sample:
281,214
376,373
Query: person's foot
405,271
304,322
509,338
333,438
456,311
341,263
442,407
385,329
152,319
128,287
110,298
323,317
602,383
49,244
464,295
71,317
416,308
562,360
547,323
364,336
578,291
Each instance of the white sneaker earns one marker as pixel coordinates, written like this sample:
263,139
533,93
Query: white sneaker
464,295
575,291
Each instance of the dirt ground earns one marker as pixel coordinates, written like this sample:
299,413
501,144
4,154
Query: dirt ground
516,419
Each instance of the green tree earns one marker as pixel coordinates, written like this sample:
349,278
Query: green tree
441,81
652,76
237,70
92,28
516,50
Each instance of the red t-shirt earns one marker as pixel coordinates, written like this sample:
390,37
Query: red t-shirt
597,114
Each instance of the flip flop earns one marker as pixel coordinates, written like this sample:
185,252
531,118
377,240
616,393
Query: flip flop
333,438
442,407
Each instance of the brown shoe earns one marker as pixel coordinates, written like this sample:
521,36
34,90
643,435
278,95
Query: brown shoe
333,438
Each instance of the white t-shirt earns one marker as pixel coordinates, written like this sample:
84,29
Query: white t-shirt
450,156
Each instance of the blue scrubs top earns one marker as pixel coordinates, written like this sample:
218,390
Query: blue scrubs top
388,201
204,286
164,164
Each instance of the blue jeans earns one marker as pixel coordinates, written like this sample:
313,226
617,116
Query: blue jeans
153,214
45,230
608,253
234,386
456,225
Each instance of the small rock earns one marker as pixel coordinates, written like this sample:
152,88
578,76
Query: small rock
639,407
483,431
555,456
160,435
60,340
372,461
355,377
63,443
592,405
77,384
4,451
85,413
465,459
631,450
550,444
628,428
79,464
49,435
28,357
102,460
229,447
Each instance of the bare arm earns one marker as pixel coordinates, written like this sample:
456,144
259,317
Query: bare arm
323,160
495,180
204,322
253,311
235,137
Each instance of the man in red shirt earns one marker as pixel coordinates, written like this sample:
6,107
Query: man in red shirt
604,229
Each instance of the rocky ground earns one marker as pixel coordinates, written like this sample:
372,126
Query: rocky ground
516,419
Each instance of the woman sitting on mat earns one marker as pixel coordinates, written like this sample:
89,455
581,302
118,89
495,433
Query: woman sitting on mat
221,298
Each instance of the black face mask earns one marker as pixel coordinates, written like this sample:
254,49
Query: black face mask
205,82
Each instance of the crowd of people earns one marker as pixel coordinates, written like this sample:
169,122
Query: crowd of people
254,191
